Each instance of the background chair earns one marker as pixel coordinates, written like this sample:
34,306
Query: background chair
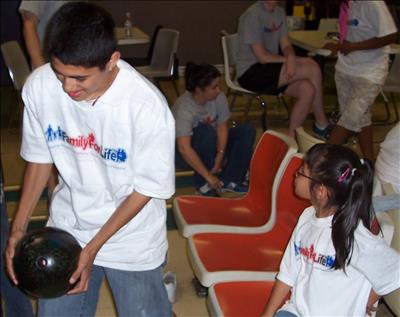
143,61
243,298
229,49
222,257
164,61
304,140
251,213
391,86
18,69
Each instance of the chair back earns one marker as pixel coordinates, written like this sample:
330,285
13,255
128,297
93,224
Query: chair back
153,42
304,140
165,49
229,50
269,157
328,24
16,62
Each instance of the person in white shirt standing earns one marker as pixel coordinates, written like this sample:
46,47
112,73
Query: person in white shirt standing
111,136
366,28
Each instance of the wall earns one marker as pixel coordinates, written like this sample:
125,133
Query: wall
199,23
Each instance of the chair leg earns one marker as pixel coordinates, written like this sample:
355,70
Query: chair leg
176,88
396,111
263,105
387,117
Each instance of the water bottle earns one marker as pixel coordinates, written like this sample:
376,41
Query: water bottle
128,25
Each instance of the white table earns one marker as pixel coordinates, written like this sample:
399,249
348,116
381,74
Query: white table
310,40
137,37
313,40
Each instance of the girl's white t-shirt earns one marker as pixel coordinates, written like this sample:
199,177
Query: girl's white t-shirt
367,19
104,152
318,289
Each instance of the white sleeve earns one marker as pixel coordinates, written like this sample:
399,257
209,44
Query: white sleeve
288,268
34,147
155,151
381,266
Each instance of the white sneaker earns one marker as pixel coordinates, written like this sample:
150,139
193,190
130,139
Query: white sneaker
170,284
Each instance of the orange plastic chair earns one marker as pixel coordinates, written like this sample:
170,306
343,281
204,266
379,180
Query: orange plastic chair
248,298
221,257
238,299
251,213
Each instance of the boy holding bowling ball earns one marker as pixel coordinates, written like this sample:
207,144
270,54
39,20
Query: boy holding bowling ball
111,136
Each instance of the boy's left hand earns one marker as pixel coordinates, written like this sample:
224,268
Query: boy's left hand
82,273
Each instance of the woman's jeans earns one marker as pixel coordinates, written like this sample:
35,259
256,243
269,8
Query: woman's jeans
238,152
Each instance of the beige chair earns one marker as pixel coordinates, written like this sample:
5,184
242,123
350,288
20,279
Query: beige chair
18,69
304,140
229,49
164,61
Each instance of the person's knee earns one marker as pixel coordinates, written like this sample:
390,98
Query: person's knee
306,90
249,130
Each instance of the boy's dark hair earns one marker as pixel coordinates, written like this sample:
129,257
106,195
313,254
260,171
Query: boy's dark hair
199,75
81,34
349,183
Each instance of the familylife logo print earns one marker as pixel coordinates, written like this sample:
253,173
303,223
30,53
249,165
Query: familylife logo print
86,144
309,254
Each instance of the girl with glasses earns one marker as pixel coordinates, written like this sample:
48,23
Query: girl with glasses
334,265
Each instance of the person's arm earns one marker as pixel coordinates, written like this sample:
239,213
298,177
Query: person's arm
288,52
191,157
264,56
222,140
278,295
128,209
31,37
35,179
372,299
347,47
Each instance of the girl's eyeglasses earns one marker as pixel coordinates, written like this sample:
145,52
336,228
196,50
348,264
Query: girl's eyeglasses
300,172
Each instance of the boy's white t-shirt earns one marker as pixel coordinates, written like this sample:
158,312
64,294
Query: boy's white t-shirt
124,143
318,289
367,19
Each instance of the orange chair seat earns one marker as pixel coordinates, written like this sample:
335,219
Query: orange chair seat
242,252
223,211
243,298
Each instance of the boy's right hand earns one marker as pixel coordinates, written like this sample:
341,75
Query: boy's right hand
9,252
334,47
214,181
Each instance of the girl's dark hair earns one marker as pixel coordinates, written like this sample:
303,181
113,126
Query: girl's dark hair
349,183
199,75
81,34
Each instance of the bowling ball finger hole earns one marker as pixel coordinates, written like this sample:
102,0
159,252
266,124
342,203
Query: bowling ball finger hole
41,263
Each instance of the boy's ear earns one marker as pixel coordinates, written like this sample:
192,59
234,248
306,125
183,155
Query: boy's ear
113,60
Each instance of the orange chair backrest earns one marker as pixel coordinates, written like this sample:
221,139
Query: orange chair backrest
264,165
289,206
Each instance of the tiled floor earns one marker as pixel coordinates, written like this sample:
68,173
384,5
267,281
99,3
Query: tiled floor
187,304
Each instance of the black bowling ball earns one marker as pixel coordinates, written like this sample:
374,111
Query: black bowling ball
44,261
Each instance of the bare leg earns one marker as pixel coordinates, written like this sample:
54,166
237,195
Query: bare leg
366,143
339,135
308,69
304,93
